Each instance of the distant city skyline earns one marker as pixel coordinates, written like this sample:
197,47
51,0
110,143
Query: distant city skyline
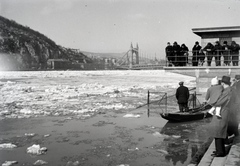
110,26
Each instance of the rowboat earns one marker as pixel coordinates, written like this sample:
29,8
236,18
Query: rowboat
193,114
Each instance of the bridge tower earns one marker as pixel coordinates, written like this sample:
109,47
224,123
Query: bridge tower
134,57
137,55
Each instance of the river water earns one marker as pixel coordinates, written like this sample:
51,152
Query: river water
94,118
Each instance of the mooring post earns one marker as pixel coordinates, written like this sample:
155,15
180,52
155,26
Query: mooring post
148,97
195,99
166,103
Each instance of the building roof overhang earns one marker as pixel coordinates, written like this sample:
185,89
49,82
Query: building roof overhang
200,31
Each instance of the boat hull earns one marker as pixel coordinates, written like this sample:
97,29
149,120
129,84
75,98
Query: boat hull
192,115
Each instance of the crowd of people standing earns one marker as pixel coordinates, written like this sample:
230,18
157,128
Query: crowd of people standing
179,55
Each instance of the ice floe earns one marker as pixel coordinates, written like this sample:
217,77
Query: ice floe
75,163
40,162
7,146
36,150
176,136
9,163
30,134
133,149
162,151
131,116
157,134
47,135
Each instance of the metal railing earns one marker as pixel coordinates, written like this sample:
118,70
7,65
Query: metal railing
202,58
168,102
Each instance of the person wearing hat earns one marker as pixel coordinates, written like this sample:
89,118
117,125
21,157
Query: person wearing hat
234,108
176,53
209,52
196,52
182,95
169,53
236,80
217,51
235,53
183,58
219,126
226,53
212,95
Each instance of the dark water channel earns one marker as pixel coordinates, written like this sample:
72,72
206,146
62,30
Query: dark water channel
107,138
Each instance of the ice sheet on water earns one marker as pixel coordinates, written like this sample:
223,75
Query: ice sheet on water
81,93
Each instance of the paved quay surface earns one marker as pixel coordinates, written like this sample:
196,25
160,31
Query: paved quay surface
232,159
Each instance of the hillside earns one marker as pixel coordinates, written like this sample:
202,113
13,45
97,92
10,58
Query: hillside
22,48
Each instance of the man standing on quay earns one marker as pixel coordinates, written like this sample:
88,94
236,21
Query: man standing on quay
234,108
219,126
182,96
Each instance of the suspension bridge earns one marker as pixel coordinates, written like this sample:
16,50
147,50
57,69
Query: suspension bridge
134,59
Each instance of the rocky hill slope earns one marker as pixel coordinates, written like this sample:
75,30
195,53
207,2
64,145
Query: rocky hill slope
22,48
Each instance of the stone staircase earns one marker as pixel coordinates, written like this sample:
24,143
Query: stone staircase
232,159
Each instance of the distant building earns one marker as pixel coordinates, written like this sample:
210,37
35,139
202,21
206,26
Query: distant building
58,64
220,34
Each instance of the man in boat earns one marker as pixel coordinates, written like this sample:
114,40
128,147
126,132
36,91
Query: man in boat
182,95
219,126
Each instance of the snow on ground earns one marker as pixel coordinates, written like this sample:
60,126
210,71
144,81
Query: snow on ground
80,93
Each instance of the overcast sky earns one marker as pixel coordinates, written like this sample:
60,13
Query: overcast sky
111,25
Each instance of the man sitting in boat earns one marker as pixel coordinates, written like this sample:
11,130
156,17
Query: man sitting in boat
182,95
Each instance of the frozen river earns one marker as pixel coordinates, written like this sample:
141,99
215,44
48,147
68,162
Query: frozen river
81,118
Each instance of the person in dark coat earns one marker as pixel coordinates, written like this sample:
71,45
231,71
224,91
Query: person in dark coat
176,52
226,53
182,95
201,57
217,52
219,126
169,53
209,52
183,58
195,51
235,53
234,108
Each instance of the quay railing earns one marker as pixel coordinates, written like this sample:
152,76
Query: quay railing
202,58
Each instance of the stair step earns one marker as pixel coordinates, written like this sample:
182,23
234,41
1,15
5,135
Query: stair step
233,158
